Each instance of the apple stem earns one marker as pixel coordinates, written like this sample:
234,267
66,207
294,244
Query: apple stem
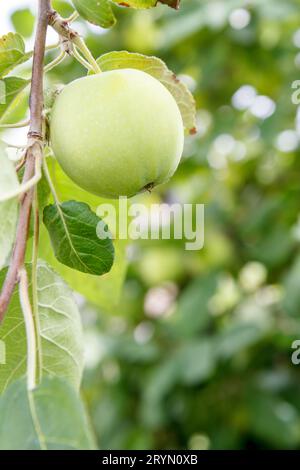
80,59
79,42
62,27
55,61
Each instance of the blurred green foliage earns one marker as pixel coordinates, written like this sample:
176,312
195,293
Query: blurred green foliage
197,354
23,22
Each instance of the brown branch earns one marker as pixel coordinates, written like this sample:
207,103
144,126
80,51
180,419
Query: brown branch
34,150
61,26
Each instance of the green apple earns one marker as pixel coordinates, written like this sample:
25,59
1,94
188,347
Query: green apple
117,133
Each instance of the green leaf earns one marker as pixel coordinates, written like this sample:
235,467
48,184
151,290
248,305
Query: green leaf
60,331
44,192
98,12
236,338
192,314
12,52
10,89
72,227
191,364
23,22
273,420
158,384
62,7
291,297
158,69
8,209
105,290
147,3
196,361
51,417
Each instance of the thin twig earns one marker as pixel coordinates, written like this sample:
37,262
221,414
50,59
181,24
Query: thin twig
80,59
35,133
55,61
52,46
15,125
72,17
21,162
80,43
25,186
61,26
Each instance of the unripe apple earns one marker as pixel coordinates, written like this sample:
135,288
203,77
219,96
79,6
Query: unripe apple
117,133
